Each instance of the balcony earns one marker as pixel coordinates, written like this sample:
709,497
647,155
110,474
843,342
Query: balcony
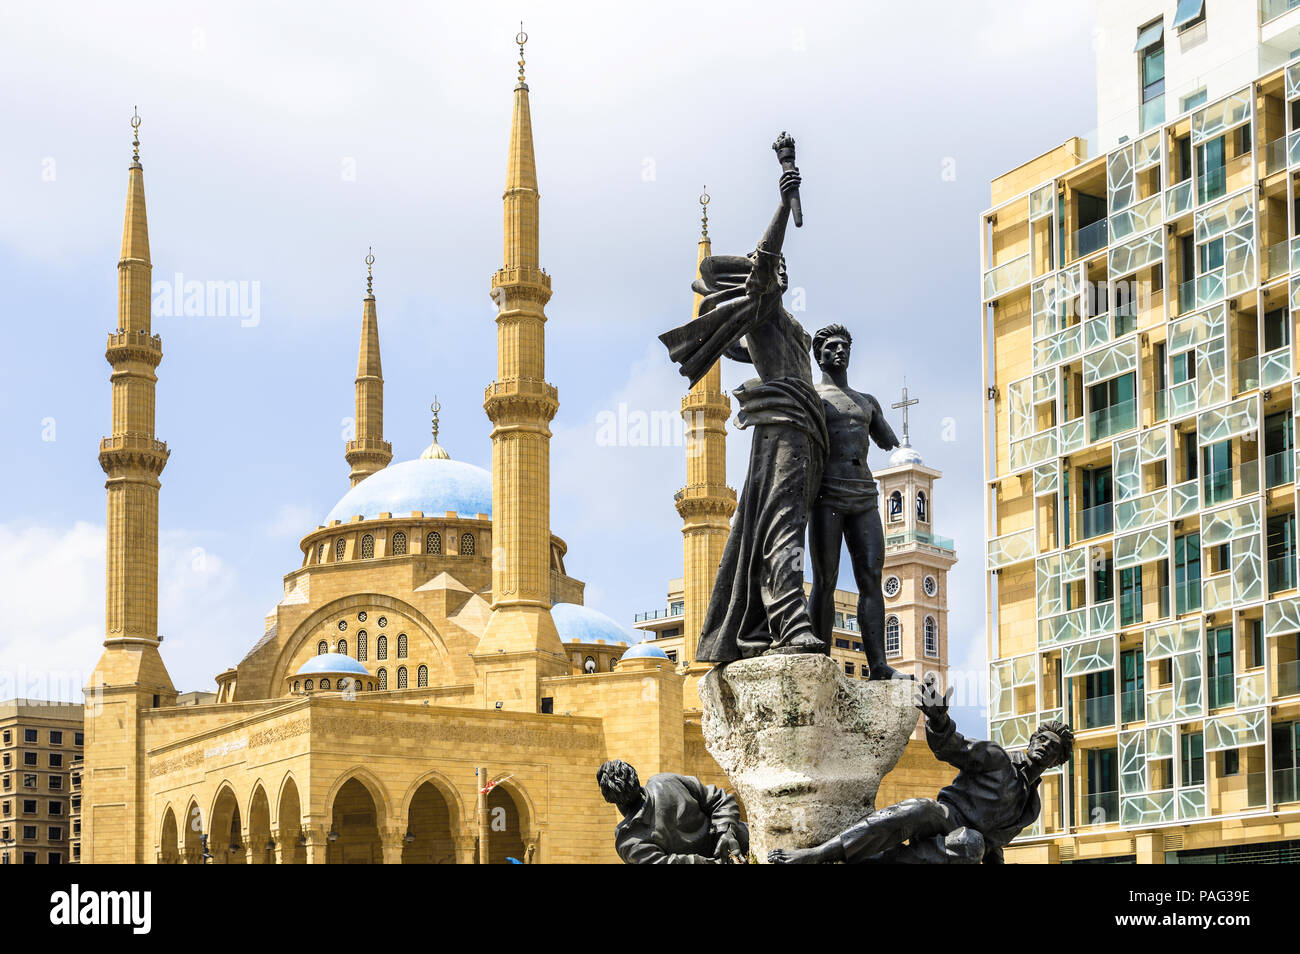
1275,157
1130,608
673,612
1285,788
1220,486
1098,712
1153,113
1096,521
1133,706
1281,574
1187,597
1272,9
1279,469
1090,238
1099,808
919,536
1107,421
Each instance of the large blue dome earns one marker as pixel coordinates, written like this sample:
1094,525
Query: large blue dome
586,625
431,486
330,663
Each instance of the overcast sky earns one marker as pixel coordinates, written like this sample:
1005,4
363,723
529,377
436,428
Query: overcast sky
279,142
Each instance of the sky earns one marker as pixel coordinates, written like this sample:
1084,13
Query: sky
280,142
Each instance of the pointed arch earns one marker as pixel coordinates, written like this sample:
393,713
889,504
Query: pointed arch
372,784
169,847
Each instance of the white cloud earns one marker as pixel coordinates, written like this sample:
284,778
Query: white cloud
54,579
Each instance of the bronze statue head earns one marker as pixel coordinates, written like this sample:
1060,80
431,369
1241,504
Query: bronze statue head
1051,744
831,347
618,782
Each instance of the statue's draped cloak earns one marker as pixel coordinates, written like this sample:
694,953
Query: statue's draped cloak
758,600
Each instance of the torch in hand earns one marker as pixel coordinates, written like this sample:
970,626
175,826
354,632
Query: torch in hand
784,147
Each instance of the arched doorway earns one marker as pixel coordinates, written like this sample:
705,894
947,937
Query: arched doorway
429,821
192,833
259,830
354,820
226,834
289,821
505,837
169,849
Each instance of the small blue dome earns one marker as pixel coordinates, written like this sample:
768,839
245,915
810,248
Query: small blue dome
586,625
331,663
431,486
646,650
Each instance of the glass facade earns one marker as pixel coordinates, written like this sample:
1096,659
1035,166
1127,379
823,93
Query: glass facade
1139,310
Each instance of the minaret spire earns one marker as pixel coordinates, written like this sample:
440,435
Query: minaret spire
706,503
520,405
369,452
130,676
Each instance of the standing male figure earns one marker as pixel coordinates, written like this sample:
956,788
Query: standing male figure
758,603
847,505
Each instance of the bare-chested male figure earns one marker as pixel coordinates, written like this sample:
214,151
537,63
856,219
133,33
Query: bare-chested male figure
847,506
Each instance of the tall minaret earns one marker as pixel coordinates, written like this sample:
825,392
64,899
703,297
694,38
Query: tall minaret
706,503
520,643
130,676
369,452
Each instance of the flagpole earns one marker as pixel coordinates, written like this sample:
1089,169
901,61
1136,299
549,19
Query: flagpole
484,822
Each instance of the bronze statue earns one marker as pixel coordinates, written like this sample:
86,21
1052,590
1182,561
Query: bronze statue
847,504
673,819
994,797
758,602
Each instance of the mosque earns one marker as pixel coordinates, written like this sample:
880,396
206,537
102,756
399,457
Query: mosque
430,688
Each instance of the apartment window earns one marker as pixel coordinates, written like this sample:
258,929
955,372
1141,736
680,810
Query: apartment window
1279,449
1187,573
29,735
54,858
9,738
56,760
1150,49
1212,170
29,758
1130,596
56,737
1219,668
7,808
1280,541
29,780
29,833
848,669
1102,786
56,833
1189,14
1132,694
7,760
29,857
841,643
56,783
1102,581
1286,761
29,806
1229,763
1113,406
1216,472
1193,758
1097,494
78,738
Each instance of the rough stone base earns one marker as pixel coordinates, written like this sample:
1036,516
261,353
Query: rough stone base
804,746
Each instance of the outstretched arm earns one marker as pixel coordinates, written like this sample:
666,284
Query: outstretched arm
881,432
947,744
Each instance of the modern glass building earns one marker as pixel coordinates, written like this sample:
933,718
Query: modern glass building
1139,302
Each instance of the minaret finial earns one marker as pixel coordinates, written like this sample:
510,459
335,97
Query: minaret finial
521,38
905,403
135,128
704,213
370,277
435,407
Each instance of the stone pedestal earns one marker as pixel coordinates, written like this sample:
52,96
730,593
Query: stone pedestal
804,746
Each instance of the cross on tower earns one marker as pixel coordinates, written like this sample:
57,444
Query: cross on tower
905,403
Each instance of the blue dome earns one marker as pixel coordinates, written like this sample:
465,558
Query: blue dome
646,650
431,486
331,663
586,625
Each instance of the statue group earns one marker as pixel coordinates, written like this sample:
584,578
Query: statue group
808,478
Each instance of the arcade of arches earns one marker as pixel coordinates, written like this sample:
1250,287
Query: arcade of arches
429,826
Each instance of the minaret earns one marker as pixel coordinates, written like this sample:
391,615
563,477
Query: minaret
520,643
706,503
369,452
130,676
